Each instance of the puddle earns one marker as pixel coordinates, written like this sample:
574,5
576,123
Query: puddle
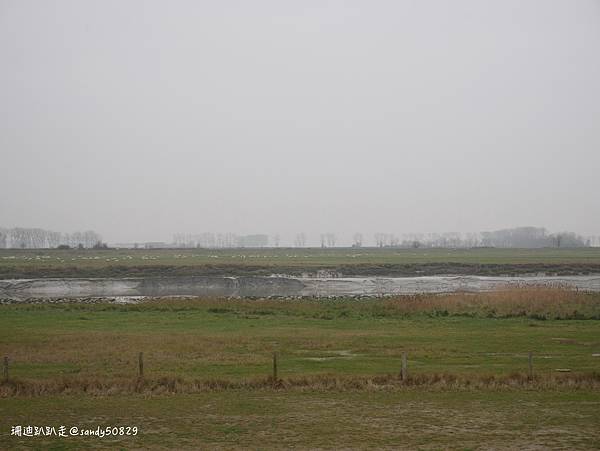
344,354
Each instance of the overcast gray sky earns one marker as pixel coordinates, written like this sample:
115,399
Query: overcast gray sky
139,119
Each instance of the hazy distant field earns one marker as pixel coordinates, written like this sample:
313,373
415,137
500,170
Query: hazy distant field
367,261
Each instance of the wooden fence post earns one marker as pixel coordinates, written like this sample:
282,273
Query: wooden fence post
530,359
5,368
274,366
404,372
141,365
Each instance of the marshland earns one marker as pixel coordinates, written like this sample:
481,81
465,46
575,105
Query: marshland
300,225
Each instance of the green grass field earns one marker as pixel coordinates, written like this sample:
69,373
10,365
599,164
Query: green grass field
129,262
207,364
242,419
235,339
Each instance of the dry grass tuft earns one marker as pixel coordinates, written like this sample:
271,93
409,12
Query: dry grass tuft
179,385
532,302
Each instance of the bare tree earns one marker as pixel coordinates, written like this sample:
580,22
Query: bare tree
300,240
558,239
381,239
331,239
358,240
36,238
54,239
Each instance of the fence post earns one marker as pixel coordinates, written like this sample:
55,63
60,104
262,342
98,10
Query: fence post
141,365
274,367
530,360
404,372
5,368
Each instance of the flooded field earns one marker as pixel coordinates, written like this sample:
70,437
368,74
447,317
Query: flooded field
277,286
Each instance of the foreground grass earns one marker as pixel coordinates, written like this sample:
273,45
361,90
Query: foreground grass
207,363
470,336
411,419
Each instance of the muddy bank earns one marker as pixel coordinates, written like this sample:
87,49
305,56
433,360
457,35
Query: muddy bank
276,286
154,287
346,270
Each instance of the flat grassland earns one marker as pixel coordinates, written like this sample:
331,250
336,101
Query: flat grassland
486,333
295,261
308,419
208,371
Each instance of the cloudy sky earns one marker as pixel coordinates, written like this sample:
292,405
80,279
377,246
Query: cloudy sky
140,119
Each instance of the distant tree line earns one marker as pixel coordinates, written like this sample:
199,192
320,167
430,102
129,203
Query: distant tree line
209,240
300,240
328,239
519,237
35,238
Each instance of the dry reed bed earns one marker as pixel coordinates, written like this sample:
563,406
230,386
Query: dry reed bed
533,302
546,303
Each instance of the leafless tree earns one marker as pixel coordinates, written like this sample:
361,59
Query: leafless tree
54,239
558,239
36,238
381,239
300,240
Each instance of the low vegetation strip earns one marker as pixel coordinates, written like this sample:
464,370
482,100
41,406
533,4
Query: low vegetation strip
98,386
538,303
